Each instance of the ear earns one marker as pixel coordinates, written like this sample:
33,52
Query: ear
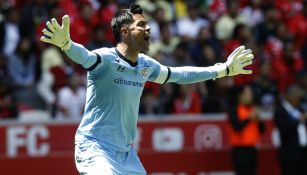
124,31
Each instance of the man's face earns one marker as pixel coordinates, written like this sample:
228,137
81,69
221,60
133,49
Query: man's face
139,33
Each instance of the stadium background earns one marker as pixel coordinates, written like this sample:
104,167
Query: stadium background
183,129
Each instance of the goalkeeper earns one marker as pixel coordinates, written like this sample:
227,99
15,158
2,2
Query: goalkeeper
116,78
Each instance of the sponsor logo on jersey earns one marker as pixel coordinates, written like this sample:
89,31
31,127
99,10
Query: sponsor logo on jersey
127,82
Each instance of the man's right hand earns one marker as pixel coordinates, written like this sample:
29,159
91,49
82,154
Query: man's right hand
56,34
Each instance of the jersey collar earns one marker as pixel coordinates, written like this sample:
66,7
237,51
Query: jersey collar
133,64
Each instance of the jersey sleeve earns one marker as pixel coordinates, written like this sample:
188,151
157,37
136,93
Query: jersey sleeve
192,74
89,60
181,75
160,73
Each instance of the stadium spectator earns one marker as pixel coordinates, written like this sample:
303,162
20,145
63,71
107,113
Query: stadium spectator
158,18
152,6
187,100
85,23
205,37
166,97
180,56
246,130
275,43
104,14
22,64
265,29
207,56
286,68
212,94
163,48
302,83
23,71
53,76
288,9
158,12
253,13
10,31
71,99
212,9
32,15
189,26
54,10
98,39
180,9
225,24
149,104
241,35
265,90
297,25
291,124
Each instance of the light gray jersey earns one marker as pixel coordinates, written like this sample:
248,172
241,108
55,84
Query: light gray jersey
114,90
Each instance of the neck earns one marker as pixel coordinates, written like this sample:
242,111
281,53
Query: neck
127,52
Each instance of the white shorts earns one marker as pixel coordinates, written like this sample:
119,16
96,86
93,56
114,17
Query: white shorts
92,159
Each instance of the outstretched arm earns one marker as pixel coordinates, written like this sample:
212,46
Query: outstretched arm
59,36
234,65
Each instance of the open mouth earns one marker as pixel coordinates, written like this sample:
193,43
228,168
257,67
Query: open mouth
146,38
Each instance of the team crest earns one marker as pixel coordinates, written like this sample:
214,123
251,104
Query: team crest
145,72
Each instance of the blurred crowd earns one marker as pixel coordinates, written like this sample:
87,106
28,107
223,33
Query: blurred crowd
39,76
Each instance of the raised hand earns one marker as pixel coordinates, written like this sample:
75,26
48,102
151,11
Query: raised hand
56,34
239,59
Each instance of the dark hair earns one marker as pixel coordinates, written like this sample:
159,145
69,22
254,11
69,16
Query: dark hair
122,18
237,30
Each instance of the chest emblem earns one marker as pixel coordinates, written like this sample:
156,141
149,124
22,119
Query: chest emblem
145,72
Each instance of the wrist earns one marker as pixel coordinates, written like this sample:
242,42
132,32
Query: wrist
221,69
66,45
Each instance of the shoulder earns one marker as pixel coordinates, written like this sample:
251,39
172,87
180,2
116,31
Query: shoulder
106,52
145,59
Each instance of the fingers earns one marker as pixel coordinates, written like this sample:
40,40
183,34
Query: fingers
247,57
66,23
237,52
47,33
246,63
55,24
246,71
46,40
50,27
246,52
